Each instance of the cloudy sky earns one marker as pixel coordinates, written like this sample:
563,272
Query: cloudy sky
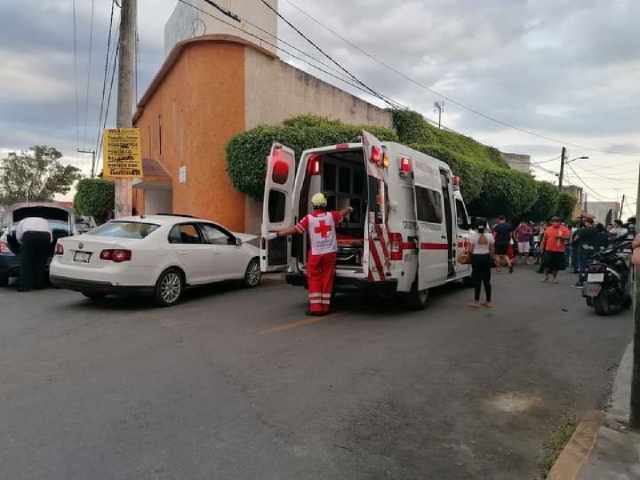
568,70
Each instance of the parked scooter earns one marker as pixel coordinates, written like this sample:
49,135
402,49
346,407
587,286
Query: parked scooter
608,284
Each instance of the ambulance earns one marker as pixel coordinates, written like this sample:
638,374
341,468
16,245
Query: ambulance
408,226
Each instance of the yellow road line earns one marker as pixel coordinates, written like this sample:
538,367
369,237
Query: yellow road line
300,323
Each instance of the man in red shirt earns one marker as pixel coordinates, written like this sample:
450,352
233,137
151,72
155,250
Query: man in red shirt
321,261
555,238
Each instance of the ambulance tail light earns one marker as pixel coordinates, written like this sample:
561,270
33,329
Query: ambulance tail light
376,154
395,246
314,167
406,168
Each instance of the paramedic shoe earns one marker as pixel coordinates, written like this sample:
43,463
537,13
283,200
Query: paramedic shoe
314,314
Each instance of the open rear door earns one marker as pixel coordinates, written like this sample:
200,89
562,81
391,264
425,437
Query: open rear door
277,211
377,259
431,216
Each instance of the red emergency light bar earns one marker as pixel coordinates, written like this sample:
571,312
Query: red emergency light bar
405,166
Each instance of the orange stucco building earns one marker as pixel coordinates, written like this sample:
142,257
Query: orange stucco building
209,89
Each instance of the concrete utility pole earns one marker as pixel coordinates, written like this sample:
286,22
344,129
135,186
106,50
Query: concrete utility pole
621,207
563,158
93,160
126,58
634,416
439,106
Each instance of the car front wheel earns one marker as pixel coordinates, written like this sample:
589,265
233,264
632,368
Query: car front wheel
253,274
169,288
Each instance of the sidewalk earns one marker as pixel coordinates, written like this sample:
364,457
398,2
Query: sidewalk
603,448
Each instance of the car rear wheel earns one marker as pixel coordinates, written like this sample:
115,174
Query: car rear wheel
417,299
94,295
169,287
253,274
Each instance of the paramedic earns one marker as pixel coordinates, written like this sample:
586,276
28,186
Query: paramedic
481,248
321,264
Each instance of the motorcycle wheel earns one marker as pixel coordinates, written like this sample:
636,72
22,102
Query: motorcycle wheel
602,305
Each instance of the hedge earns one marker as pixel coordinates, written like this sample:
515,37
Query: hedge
95,198
246,151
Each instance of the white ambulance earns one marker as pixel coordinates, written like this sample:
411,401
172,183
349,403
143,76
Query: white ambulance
408,225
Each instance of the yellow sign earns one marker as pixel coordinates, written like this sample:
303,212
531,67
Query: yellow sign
122,152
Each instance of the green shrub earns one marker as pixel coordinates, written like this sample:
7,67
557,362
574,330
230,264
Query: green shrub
566,205
95,197
246,151
546,204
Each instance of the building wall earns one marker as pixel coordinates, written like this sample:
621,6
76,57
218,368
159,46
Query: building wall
600,210
158,201
187,22
196,111
276,91
519,162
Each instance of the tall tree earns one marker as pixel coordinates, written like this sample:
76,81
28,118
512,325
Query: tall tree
35,175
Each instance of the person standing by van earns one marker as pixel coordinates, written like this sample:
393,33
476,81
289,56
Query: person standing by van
503,238
35,236
481,248
321,261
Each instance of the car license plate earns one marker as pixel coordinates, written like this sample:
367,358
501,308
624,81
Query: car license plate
81,257
595,277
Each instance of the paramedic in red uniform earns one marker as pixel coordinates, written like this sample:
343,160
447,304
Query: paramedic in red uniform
321,264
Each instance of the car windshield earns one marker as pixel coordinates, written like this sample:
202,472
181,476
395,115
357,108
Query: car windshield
135,230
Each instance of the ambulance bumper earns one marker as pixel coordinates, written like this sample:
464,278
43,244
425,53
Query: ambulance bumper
346,285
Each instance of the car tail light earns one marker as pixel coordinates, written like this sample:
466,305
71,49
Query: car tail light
116,255
395,246
59,249
4,248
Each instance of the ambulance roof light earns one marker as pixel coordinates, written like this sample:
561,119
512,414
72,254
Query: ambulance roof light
406,167
456,181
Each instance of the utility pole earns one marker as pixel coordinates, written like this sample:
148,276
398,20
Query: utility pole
93,160
126,58
563,158
439,106
634,416
621,214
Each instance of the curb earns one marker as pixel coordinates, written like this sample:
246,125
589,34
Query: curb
577,450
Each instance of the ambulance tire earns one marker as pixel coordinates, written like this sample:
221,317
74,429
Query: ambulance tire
417,299
468,282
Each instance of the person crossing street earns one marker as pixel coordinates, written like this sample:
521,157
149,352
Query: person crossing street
321,261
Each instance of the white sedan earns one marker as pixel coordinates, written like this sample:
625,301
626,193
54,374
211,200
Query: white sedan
155,255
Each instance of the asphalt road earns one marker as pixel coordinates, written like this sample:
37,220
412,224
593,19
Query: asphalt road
236,384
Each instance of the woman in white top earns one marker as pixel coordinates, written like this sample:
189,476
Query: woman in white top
481,248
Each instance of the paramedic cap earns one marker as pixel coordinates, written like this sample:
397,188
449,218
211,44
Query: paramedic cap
318,200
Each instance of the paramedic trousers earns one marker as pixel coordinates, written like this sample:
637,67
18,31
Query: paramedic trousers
481,274
34,251
320,274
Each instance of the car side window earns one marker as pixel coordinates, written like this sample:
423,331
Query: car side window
214,236
186,233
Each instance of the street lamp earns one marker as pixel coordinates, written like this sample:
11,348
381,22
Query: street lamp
564,162
577,158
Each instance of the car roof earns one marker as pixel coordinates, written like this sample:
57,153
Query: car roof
162,219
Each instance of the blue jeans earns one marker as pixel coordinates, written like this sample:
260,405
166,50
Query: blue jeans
583,261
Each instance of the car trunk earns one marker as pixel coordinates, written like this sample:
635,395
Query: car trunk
60,221
341,176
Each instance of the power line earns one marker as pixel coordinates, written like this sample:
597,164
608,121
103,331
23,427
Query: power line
546,161
602,199
421,85
75,69
86,112
106,115
292,26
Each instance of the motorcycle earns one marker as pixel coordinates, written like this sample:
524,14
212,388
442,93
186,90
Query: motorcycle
608,284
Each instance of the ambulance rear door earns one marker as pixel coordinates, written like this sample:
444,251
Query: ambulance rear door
433,238
277,213
376,160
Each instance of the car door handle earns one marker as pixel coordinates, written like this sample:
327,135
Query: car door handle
182,252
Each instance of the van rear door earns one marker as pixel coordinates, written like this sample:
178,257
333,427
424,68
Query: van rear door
277,213
433,264
377,257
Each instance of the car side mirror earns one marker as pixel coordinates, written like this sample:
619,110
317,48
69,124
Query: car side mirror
238,241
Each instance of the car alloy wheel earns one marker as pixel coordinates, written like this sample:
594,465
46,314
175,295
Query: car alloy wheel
169,288
253,274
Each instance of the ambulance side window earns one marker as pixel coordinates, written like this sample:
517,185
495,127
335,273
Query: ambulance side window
277,203
463,220
429,205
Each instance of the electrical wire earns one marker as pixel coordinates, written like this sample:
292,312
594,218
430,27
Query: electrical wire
106,115
86,112
584,184
449,99
356,79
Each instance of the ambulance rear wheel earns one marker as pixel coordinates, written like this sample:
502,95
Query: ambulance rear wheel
417,299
